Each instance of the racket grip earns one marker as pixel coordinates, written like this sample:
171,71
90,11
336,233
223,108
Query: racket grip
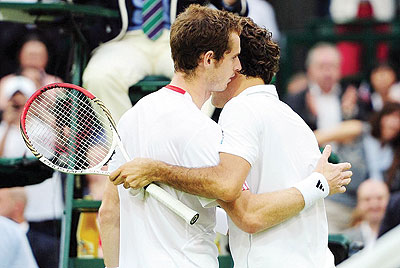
189,215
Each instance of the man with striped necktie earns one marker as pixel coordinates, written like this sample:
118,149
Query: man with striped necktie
140,49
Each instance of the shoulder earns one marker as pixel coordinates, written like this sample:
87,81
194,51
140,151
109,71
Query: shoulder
241,102
9,228
145,104
244,107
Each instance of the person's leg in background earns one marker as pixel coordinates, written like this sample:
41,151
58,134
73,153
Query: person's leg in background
113,68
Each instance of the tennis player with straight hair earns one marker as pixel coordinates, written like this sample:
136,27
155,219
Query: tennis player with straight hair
168,125
265,141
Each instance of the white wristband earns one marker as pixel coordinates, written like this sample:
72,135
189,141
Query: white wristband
313,188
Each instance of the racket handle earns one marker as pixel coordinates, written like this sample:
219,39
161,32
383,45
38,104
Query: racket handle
189,215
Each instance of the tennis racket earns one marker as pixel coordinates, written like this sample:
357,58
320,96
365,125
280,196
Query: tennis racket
70,130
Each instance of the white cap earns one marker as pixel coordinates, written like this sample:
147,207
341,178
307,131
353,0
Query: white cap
18,83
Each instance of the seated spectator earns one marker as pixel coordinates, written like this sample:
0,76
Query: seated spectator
382,147
117,65
370,149
383,80
43,211
33,59
14,246
16,91
12,205
320,105
372,199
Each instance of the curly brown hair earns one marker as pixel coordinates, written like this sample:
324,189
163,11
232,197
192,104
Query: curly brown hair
259,54
200,29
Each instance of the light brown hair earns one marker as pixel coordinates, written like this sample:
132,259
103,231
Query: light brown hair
200,29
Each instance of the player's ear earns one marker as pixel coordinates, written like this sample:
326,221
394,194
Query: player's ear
208,58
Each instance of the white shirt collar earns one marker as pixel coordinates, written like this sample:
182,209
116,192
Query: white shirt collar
266,89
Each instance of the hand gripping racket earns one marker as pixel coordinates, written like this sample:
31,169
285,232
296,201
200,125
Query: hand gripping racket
70,130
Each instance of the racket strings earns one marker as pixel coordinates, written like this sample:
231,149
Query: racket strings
88,128
73,128
80,138
60,149
52,149
65,126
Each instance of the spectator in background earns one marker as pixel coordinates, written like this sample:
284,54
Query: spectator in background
16,91
392,215
383,80
372,150
320,105
12,205
372,199
14,246
382,144
43,211
33,59
118,64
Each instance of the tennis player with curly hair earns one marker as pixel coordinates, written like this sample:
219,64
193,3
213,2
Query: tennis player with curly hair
283,222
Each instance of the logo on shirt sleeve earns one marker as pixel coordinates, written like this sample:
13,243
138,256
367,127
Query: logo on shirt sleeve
222,136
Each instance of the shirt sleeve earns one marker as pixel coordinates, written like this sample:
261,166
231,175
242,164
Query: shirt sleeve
240,134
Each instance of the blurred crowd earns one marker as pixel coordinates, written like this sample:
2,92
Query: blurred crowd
360,118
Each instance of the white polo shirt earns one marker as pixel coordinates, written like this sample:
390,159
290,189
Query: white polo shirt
282,150
167,125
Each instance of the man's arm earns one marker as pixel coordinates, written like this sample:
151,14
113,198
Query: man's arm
256,212
223,181
109,225
344,132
